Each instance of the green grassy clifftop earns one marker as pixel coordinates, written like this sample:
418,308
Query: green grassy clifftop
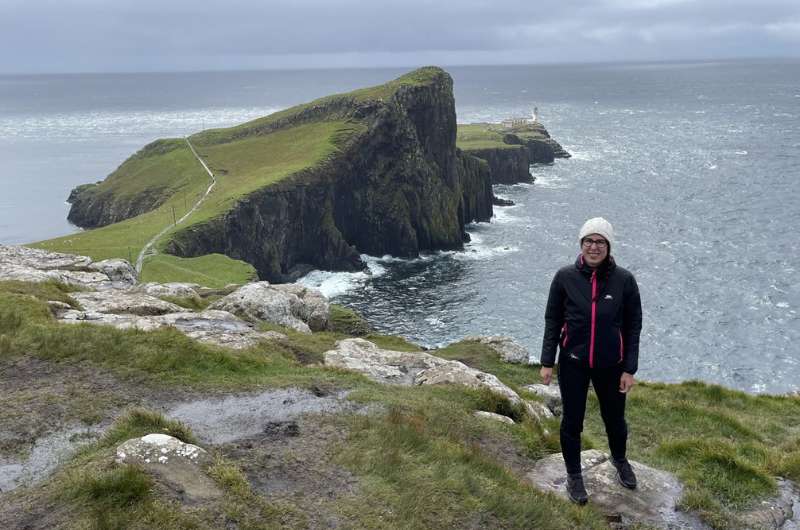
375,170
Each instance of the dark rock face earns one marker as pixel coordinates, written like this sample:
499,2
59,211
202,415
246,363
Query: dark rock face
92,208
400,188
508,165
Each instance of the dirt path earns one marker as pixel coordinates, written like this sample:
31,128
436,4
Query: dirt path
149,248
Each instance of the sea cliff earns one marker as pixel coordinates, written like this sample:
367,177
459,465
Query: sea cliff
390,182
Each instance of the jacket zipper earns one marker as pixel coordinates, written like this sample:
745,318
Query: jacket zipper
621,345
566,336
594,317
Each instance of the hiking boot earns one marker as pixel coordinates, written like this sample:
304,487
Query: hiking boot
625,474
576,490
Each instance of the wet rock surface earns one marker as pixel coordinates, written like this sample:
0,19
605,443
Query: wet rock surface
652,503
779,513
45,456
231,418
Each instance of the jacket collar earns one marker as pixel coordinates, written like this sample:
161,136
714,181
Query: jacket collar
603,271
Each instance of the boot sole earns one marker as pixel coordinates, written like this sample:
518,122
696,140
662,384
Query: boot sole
579,502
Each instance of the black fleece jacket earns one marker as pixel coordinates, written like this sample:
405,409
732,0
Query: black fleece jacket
606,299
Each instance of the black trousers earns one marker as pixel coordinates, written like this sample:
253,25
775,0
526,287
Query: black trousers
573,381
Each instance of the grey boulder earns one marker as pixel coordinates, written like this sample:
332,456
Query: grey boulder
178,465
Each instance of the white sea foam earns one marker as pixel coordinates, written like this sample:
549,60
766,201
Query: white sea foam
742,152
504,215
333,284
551,182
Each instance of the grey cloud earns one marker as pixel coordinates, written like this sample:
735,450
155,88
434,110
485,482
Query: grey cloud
146,34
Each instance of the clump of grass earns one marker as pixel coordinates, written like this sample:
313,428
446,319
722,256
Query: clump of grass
193,303
347,321
139,422
718,467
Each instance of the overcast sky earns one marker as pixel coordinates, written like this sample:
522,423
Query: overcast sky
156,35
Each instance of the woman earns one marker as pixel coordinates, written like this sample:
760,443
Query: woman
594,316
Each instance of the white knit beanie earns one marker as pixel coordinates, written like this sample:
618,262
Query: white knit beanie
597,225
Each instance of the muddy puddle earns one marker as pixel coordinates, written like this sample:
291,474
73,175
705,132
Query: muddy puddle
46,455
223,420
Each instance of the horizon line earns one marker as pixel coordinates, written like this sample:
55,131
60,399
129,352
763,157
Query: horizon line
695,60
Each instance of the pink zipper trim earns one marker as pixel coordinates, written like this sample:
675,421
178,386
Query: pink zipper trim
620,345
594,318
566,336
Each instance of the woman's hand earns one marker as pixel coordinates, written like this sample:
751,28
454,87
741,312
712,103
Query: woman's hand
547,374
626,382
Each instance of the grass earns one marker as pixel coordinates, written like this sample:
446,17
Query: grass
212,270
475,136
423,462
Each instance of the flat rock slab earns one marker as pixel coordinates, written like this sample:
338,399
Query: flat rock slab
210,326
123,302
35,265
411,368
653,502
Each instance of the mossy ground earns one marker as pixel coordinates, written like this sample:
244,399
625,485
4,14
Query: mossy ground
420,460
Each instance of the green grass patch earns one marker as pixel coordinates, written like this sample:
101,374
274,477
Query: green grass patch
422,467
347,321
212,270
481,136
242,167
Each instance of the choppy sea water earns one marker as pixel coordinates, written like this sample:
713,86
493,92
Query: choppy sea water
695,164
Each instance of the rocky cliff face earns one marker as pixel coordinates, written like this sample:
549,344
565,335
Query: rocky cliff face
399,188
510,165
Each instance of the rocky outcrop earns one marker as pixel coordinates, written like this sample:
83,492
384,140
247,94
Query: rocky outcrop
653,503
508,165
293,306
411,368
35,265
550,394
523,146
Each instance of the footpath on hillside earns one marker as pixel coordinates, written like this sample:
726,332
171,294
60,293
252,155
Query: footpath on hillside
149,248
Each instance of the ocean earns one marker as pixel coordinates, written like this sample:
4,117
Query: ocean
696,164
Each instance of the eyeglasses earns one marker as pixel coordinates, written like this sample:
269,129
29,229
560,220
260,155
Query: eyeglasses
587,242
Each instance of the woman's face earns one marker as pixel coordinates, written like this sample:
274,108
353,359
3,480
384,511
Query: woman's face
594,249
